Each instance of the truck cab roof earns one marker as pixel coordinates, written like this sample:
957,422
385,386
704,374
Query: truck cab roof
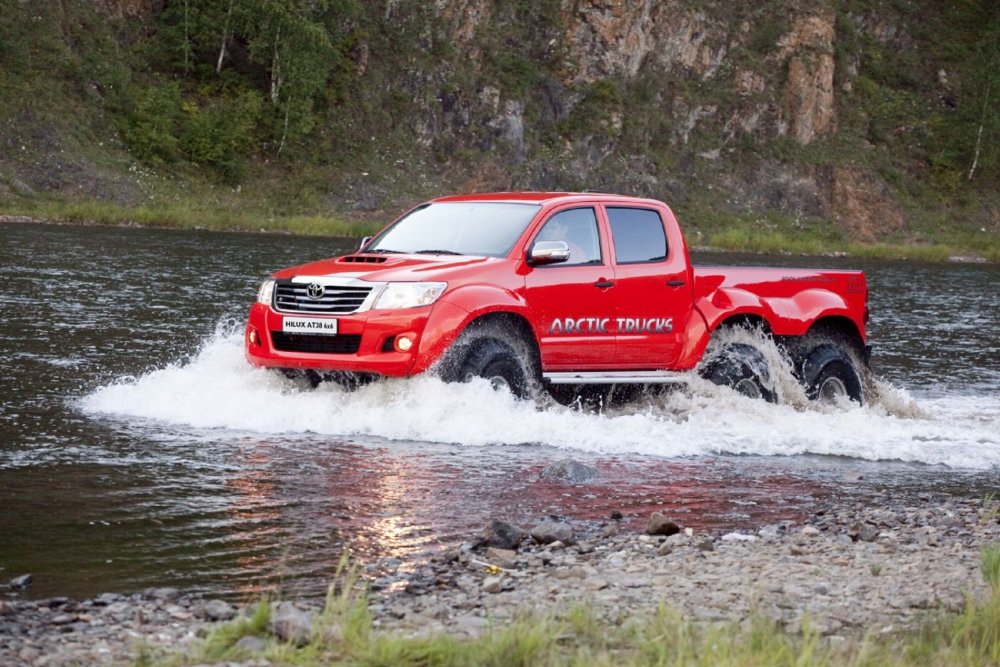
542,197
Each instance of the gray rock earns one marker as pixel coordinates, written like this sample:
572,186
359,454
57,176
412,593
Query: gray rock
471,625
677,540
120,608
570,471
166,594
502,535
865,532
505,558
219,610
251,644
493,584
706,544
659,524
550,531
24,581
291,624
108,598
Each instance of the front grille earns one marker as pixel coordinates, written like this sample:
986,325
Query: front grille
292,297
296,342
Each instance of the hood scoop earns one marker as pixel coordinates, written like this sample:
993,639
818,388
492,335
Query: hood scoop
362,259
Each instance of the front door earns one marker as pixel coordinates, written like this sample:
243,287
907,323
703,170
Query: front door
572,303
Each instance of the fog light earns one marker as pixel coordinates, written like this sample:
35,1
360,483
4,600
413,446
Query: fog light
254,338
404,343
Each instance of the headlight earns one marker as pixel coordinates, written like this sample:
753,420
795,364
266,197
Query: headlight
409,295
266,292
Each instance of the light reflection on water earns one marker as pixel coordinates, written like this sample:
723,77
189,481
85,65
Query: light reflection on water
209,480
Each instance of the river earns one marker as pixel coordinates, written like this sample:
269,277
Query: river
137,447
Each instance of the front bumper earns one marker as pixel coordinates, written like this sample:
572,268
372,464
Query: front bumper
365,342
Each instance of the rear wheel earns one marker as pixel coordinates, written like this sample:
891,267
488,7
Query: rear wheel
830,375
744,368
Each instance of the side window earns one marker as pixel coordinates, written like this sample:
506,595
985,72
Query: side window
577,228
638,235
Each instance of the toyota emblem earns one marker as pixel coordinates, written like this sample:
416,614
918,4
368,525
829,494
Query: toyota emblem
315,290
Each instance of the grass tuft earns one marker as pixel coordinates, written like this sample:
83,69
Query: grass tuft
991,567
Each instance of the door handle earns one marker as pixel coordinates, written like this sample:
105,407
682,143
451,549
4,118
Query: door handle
604,284
675,283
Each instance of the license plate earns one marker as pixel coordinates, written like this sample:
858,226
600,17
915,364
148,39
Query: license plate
310,325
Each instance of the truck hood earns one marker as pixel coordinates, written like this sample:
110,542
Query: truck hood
388,268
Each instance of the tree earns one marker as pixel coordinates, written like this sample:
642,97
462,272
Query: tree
288,39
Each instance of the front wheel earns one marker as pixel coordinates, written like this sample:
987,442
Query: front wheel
830,375
494,359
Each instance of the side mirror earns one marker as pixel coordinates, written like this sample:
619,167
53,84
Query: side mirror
548,252
364,242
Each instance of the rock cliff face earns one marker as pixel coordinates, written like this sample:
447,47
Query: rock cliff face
659,97
808,98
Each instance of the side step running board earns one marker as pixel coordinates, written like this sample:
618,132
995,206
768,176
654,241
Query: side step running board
615,377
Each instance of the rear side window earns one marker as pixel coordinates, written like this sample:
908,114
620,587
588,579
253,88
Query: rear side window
638,235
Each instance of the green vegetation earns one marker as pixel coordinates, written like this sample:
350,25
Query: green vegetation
345,635
187,217
153,113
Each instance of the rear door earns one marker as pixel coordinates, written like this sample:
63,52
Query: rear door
572,304
652,290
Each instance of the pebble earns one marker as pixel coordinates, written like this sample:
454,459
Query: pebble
505,558
551,530
492,584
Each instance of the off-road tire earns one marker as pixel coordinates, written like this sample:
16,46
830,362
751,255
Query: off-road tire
500,357
829,372
743,368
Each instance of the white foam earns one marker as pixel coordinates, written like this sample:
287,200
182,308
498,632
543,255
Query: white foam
217,389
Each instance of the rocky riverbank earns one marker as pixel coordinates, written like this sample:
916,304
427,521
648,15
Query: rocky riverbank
848,570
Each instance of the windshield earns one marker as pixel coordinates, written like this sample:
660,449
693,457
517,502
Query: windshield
489,229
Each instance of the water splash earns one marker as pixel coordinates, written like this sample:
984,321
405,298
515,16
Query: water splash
217,389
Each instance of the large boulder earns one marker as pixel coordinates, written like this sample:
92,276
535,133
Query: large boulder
659,524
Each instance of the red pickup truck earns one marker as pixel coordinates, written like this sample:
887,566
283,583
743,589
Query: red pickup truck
534,289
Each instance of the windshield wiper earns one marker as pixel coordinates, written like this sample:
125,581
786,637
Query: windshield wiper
386,251
436,252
